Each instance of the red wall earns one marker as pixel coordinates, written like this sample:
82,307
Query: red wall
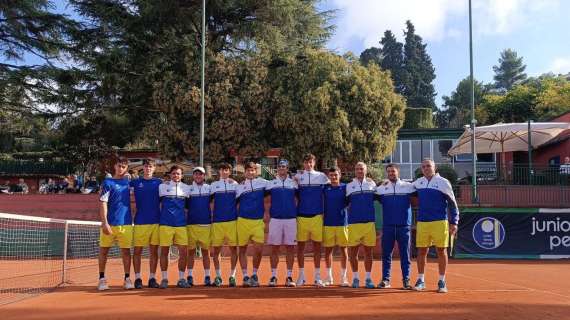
542,155
58,206
510,196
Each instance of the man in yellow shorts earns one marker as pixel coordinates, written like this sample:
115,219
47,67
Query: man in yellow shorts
116,221
310,216
435,225
361,227
250,225
335,233
199,223
147,217
172,229
224,216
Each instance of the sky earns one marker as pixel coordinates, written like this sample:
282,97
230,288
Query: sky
538,30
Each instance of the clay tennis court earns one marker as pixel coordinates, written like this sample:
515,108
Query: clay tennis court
478,290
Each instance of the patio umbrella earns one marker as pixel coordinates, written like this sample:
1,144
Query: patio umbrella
507,137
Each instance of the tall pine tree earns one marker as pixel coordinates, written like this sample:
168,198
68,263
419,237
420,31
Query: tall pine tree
389,57
418,73
510,70
392,59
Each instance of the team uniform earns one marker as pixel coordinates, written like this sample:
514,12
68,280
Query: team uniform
250,225
116,193
283,212
434,197
172,229
199,216
224,227
361,213
397,217
310,209
335,231
147,216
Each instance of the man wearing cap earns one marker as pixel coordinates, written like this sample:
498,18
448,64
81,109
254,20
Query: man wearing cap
283,222
199,222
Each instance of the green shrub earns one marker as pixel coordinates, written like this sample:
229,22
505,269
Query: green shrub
444,170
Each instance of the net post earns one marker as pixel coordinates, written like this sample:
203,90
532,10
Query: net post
63,272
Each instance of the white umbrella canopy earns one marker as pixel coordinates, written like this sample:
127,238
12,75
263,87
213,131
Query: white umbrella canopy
507,137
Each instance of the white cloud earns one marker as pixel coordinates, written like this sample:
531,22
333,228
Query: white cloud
560,66
366,20
501,17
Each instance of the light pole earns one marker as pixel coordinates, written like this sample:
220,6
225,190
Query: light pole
473,121
202,91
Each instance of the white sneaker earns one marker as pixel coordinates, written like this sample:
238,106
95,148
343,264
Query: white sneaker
329,281
319,283
128,284
103,285
344,282
300,281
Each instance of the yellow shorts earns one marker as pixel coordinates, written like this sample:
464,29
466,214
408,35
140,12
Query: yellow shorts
123,235
335,236
362,233
224,232
199,235
247,229
432,233
145,235
310,228
169,235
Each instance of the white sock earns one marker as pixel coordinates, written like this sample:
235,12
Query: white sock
164,275
317,273
206,272
442,277
329,273
355,275
180,274
302,273
152,275
137,275
367,275
254,273
273,272
421,276
343,272
219,272
233,272
289,273
244,272
190,272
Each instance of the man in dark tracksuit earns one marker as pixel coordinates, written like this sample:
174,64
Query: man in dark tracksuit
394,195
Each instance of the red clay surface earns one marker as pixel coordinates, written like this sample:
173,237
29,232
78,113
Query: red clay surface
478,290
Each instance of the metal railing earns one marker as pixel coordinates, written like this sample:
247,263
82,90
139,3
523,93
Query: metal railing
521,174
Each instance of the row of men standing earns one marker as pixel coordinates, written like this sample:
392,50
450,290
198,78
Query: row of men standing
311,206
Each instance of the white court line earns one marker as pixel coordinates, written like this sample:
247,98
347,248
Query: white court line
505,283
492,290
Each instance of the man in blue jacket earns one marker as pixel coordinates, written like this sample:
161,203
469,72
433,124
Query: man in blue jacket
283,222
395,197
250,225
435,224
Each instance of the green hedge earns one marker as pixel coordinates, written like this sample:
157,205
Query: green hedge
417,118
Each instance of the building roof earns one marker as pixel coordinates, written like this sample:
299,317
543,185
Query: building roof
429,133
